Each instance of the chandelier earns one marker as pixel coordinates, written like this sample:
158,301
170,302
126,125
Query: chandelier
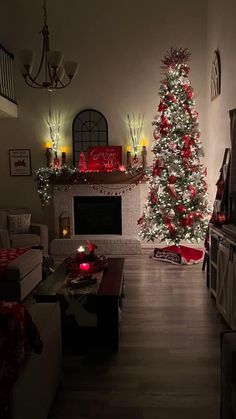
52,73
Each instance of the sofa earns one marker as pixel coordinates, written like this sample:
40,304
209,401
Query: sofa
20,272
228,375
17,230
33,393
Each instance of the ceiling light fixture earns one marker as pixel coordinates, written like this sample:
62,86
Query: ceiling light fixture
52,73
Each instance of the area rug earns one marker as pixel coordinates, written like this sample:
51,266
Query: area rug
179,255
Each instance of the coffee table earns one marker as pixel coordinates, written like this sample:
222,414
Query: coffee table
108,302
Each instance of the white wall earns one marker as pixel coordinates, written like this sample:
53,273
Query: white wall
119,46
221,35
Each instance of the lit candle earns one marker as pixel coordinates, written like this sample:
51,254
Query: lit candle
64,232
80,252
128,148
144,142
48,144
84,268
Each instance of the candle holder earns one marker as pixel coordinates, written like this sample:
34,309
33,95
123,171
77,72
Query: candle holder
49,156
128,160
63,158
135,160
80,254
144,157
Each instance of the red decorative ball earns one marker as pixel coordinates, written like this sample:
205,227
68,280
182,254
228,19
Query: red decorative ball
172,179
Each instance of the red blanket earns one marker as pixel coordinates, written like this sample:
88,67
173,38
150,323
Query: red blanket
18,336
7,256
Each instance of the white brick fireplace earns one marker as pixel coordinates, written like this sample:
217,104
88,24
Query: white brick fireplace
126,243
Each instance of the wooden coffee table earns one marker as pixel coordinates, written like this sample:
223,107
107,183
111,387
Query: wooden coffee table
108,302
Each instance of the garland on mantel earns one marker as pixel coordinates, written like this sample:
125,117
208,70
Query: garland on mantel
47,177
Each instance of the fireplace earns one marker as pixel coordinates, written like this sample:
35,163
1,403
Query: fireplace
97,215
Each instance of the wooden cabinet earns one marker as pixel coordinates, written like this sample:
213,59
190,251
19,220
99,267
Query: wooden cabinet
214,241
223,273
223,280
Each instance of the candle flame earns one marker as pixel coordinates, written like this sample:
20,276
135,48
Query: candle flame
81,249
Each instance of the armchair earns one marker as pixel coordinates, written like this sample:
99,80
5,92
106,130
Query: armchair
36,235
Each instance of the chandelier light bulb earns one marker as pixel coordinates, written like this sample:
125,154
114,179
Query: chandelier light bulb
71,68
55,58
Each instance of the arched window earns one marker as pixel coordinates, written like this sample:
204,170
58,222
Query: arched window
89,129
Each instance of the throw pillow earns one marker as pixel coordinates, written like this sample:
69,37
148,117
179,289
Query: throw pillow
19,223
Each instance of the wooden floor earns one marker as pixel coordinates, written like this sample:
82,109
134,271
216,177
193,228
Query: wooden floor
168,365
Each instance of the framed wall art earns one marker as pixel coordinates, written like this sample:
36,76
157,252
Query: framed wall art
20,162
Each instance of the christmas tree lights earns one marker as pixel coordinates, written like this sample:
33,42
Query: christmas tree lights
177,207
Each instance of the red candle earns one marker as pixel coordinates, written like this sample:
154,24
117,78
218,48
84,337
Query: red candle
84,268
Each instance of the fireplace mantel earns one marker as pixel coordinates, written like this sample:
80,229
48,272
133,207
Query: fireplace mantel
49,177
98,178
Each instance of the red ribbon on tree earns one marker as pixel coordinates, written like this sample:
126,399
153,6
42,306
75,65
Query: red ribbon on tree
188,91
181,208
153,197
164,125
140,220
171,98
171,191
186,153
186,139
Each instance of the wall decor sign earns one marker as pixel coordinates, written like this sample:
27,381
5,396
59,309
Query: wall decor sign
215,76
104,159
20,162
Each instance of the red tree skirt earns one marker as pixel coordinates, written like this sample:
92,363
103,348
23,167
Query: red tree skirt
180,255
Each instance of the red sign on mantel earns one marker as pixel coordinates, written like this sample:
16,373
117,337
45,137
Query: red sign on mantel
104,159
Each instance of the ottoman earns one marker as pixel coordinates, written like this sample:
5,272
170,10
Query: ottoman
20,272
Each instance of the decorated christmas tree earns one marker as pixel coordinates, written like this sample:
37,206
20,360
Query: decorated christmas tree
177,206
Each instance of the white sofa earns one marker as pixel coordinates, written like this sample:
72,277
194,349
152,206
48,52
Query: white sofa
35,388
37,236
21,276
